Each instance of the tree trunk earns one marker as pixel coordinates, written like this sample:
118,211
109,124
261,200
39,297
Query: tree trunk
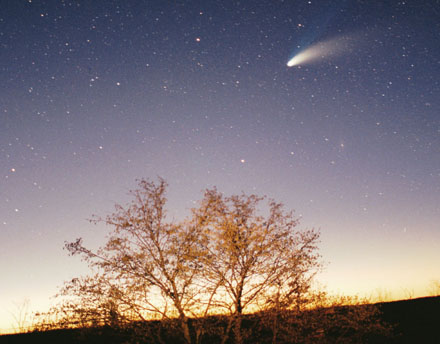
237,329
275,328
228,329
185,329
275,319
237,316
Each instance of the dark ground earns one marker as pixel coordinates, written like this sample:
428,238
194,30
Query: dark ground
416,320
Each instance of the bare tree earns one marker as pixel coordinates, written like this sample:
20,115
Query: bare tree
250,256
325,319
434,288
148,266
233,256
21,315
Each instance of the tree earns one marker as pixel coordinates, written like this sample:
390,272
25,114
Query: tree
148,265
252,258
434,288
231,256
323,318
21,315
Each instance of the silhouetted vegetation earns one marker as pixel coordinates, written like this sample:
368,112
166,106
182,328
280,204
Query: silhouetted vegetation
359,323
238,270
413,321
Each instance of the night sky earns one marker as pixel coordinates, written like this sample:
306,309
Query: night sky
95,94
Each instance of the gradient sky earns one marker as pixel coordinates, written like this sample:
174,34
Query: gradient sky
95,94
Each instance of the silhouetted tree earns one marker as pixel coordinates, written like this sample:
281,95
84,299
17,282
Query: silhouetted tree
321,318
148,265
234,255
21,315
250,256
434,288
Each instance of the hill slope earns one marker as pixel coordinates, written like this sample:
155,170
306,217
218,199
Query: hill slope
415,321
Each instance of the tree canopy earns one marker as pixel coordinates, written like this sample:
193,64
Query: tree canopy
233,255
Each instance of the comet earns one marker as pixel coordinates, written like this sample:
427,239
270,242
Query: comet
320,51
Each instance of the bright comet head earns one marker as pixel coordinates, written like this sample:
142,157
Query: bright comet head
298,59
312,53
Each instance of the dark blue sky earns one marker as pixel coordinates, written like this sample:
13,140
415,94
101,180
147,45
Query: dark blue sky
97,94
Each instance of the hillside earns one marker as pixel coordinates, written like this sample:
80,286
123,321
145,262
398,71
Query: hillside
415,321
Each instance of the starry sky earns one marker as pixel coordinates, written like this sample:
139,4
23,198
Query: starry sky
95,94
